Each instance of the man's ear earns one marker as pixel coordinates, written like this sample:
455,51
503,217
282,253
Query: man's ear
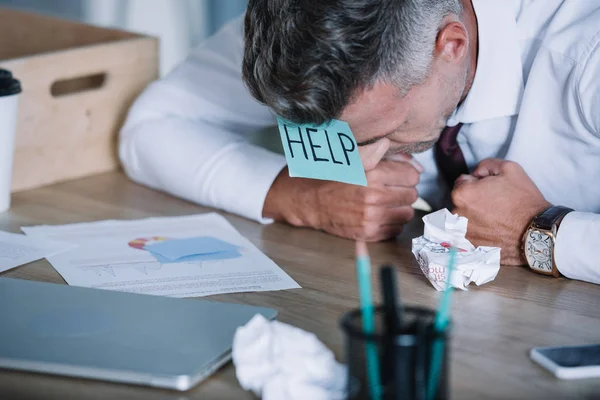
452,42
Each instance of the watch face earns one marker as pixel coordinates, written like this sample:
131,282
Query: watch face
538,250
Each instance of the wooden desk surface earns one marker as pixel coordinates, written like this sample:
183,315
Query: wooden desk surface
494,325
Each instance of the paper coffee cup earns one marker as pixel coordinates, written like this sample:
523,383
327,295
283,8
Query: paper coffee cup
9,94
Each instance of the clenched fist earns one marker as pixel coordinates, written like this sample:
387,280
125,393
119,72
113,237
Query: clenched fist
500,200
372,213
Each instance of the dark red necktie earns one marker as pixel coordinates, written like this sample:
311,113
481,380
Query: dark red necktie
448,155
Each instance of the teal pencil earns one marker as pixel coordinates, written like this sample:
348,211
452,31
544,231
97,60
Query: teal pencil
363,274
441,321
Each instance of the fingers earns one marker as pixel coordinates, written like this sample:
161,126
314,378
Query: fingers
372,154
401,157
495,166
384,233
372,223
383,215
385,223
370,231
464,179
463,189
394,173
489,167
388,224
391,197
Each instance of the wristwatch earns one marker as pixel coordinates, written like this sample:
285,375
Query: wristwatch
539,239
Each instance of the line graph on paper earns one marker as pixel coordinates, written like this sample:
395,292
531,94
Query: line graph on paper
142,263
143,268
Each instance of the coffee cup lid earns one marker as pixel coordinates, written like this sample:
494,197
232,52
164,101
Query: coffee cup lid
8,84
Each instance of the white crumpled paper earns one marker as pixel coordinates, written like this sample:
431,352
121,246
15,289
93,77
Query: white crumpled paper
442,231
281,362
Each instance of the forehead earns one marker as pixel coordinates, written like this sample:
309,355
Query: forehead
377,111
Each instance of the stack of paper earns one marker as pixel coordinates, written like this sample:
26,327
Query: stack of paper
18,249
186,256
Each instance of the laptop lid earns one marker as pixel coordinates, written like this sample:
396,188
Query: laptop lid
115,336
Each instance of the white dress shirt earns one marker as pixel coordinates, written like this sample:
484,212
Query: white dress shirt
535,100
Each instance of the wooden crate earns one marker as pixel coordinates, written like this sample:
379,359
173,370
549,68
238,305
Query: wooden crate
78,83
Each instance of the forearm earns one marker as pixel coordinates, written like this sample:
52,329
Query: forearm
202,164
577,245
292,200
187,133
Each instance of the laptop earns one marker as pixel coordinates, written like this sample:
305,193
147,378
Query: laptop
114,336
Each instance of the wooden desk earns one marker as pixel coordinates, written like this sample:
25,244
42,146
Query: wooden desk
495,325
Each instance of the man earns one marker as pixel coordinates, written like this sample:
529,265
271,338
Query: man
492,80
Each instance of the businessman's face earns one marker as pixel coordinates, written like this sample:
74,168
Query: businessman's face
412,122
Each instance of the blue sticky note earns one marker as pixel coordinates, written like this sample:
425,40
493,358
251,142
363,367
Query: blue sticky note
175,249
327,152
221,255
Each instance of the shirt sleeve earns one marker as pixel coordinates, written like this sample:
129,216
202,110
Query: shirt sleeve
578,237
576,247
589,89
188,134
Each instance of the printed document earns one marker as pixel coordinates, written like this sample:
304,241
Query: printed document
113,255
17,249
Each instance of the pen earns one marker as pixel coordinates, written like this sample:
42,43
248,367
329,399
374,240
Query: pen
389,357
441,321
420,388
393,317
363,272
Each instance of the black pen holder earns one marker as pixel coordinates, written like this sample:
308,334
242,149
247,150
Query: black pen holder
404,358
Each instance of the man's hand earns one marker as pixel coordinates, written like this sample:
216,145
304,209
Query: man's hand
371,213
500,200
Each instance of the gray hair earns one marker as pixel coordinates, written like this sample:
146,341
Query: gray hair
306,59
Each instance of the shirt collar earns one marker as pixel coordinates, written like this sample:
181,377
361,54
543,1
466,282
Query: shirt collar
498,84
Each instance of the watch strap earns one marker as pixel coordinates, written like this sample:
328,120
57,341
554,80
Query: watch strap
550,217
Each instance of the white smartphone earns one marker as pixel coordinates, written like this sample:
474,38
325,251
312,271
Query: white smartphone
569,362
